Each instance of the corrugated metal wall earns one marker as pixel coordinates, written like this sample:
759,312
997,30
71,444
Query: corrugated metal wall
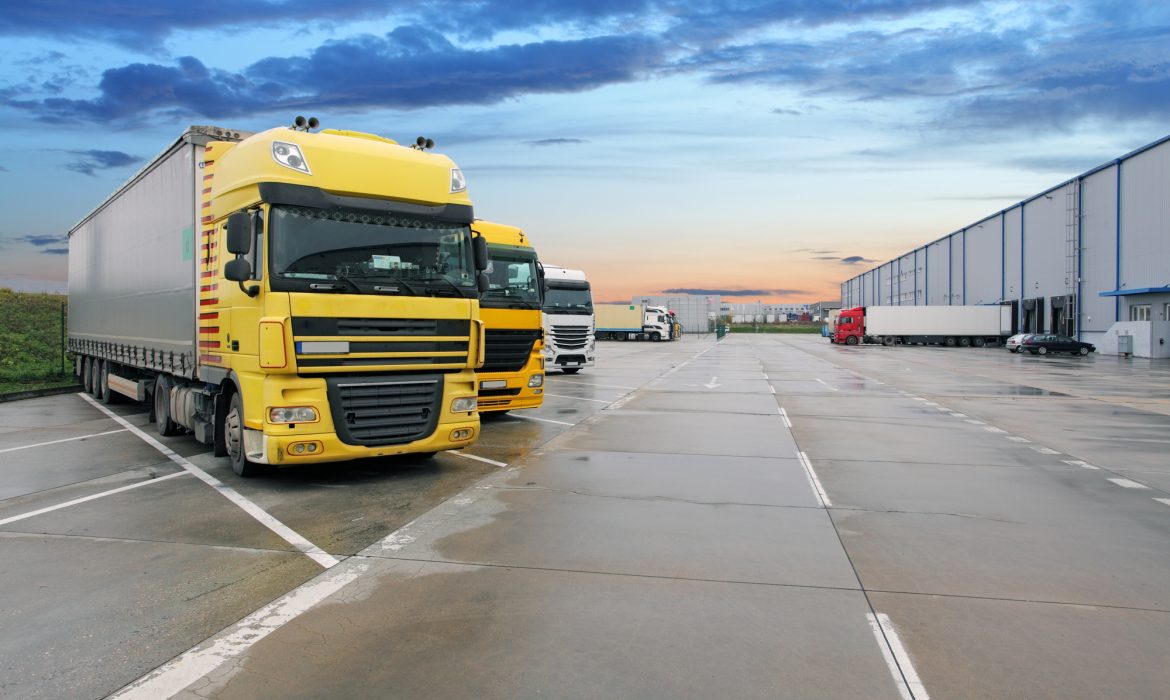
1034,249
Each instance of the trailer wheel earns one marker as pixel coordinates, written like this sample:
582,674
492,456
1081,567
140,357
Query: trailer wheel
162,408
108,397
86,377
979,342
887,340
233,431
950,342
95,378
851,340
964,342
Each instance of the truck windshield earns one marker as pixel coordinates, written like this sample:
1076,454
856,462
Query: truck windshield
339,250
512,277
575,300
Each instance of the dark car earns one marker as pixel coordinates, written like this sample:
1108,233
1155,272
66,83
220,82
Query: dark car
1044,344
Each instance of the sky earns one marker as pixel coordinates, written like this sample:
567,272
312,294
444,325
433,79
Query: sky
762,150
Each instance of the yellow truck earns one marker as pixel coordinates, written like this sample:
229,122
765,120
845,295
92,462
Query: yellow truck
290,296
512,375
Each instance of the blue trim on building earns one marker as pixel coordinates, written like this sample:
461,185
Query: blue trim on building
925,276
1021,258
1131,292
1080,276
1117,251
964,267
1002,257
950,269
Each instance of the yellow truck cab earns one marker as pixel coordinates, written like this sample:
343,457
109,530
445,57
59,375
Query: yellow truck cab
512,375
288,296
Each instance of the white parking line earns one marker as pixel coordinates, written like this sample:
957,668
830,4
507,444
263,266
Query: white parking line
972,421
579,398
468,455
1044,450
822,381
772,389
1163,501
542,420
814,481
958,415
172,677
1017,438
784,417
993,429
92,497
1128,484
283,531
56,442
898,661
1079,463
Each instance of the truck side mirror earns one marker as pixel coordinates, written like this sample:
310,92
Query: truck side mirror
239,234
479,246
482,282
238,270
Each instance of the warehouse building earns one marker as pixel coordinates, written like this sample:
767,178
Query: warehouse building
1089,258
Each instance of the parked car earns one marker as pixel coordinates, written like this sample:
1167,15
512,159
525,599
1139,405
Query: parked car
1013,343
1044,344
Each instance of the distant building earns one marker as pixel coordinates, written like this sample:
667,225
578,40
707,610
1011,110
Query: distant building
760,312
696,312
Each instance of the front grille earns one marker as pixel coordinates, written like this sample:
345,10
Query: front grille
507,351
499,392
376,411
493,403
570,337
314,326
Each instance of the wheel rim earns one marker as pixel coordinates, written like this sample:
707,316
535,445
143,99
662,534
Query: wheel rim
1042,351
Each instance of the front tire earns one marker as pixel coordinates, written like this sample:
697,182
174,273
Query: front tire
233,432
1083,351
851,340
1041,350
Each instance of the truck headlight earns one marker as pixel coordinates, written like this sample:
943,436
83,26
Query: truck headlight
458,183
293,414
535,381
463,404
289,155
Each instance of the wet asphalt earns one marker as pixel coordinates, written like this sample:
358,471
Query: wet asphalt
768,516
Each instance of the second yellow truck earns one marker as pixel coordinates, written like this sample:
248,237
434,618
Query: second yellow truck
512,375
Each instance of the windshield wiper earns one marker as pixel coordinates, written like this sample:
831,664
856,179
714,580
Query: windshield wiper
348,281
441,278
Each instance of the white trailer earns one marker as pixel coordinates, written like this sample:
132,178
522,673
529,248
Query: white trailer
938,325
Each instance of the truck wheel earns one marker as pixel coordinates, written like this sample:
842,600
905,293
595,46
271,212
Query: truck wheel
233,432
162,408
964,342
108,397
851,340
86,377
887,340
950,342
979,342
656,337
571,370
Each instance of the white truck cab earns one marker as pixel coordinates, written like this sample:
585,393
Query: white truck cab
568,320
657,325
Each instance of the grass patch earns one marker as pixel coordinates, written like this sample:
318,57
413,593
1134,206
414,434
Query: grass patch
32,351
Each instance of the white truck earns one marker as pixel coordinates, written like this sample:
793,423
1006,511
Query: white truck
568,320
633,322
924,325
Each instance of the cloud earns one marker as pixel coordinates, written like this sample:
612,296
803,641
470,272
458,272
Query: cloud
55,251
37,240
409,68
555,142
855,260
3,169
700,291
89,162
787,112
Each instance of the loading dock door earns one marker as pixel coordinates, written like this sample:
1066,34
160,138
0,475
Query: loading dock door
1033,316
1064,315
